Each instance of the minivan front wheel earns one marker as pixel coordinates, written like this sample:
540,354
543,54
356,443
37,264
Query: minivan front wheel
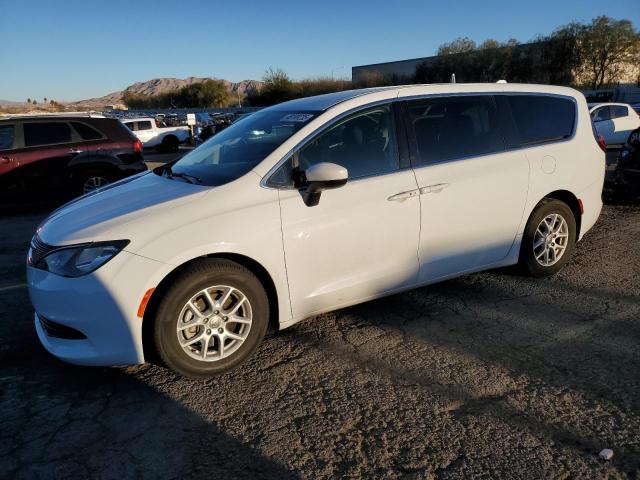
211,319
549,239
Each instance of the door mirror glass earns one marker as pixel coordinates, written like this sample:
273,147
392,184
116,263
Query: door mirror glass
323,176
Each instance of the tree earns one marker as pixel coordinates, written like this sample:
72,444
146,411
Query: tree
277,87
607,48
559,55
34,101
209,93
45,99
489,43
28,100
459,45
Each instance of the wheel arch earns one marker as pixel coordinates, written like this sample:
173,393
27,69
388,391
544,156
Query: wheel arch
170,136
94,162
574,204
570,200
249,263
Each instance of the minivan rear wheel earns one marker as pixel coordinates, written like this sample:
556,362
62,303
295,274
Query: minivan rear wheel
549,238
211,319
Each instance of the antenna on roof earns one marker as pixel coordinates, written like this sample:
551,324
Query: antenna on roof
453,78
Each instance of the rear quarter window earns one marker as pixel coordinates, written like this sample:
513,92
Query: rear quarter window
85,131
7,134
619,111
46,133
541,119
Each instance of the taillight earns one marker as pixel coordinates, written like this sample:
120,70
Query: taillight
602,143
137,146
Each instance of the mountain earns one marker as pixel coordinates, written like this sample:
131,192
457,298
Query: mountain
160,85
11,103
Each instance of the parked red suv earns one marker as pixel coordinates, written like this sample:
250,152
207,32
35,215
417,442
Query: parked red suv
69,155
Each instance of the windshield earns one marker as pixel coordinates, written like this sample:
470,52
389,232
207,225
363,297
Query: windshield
240,147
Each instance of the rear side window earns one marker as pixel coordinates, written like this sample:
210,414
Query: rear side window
85,131
46,133
541,118
6,137
601,114
619,111
144,126
455,127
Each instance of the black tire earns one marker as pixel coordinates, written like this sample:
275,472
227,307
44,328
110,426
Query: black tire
198,276
93,176
528,262
170,144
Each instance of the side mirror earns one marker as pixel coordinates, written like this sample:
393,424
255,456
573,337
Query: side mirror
323,176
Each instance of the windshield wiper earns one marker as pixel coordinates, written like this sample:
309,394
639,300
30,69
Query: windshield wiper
185,176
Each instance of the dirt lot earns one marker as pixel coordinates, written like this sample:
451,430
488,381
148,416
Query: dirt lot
488,376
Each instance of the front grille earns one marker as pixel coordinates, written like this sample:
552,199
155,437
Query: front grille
39,250
57,330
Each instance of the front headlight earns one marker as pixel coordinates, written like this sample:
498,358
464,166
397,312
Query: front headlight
78,260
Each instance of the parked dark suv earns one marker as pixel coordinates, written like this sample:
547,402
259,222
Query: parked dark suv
68,155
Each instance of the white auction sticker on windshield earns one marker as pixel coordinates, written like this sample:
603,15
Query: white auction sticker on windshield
296,117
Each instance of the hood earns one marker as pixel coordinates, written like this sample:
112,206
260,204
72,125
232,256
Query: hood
106,213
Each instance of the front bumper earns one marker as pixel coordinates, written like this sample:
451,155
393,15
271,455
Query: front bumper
102,306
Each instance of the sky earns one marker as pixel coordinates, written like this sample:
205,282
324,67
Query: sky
72,50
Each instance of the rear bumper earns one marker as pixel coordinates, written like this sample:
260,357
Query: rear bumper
132,168
592,201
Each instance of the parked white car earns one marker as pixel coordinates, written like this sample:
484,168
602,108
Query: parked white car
614,121
151,135
313,205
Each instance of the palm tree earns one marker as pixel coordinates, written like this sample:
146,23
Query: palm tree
28,100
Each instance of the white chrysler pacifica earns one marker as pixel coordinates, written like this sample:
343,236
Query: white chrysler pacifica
310,206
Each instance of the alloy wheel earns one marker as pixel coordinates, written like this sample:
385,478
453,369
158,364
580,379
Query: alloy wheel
214,323
550,240
93,183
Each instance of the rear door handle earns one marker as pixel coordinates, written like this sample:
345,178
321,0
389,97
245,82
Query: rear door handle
402,196
73,150
4,160
435,188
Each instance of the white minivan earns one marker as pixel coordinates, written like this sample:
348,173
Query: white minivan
614,121
309,206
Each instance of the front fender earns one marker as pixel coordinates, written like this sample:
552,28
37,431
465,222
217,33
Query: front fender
240,218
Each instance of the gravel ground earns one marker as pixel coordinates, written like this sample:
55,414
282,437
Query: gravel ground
491,375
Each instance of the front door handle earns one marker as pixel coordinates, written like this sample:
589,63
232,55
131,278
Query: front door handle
4,160
435,188
402,196
75,151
